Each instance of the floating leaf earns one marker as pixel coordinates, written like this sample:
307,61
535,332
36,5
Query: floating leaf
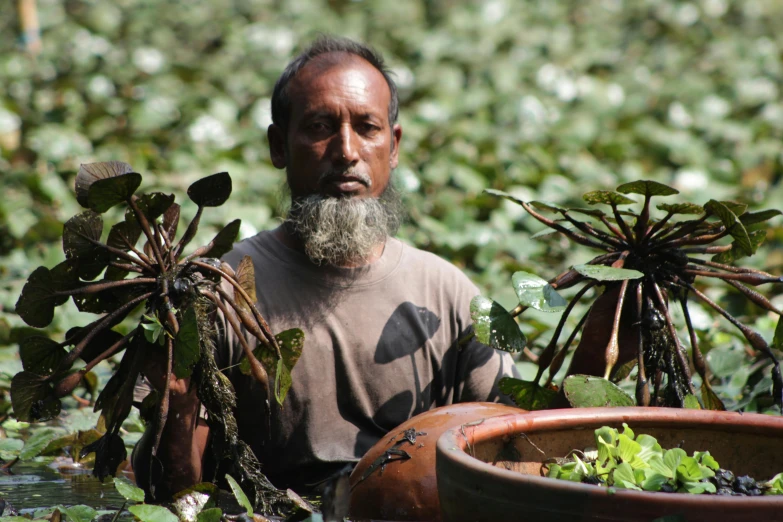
239,495
80,513
647,188
75,441
152,205
245,276
537,293
751,218
81,243
223,242
587,391
211,191
33,398
291,343
607,273
41,355
38,298
527,395
187,350
128,490
105,193
210,515
37,442
152,513
681,208
91,172
607,197
494,326
732,224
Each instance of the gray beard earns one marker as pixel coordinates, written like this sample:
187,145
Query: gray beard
343,230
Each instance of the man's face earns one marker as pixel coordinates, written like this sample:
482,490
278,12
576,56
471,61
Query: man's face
339,140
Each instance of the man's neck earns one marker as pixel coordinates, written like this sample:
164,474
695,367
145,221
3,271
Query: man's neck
293,242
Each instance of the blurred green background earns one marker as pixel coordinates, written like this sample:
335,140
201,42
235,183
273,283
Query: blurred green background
543,99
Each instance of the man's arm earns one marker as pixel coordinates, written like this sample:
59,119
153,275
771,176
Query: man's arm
182,445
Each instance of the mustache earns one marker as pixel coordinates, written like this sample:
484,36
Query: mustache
350,172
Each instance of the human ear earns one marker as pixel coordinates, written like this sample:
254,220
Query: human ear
276,137
395,149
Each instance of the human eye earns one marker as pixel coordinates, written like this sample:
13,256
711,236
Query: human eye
368,128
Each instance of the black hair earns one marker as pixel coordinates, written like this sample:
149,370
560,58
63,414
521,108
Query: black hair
281,103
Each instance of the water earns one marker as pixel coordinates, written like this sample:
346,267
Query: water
37,485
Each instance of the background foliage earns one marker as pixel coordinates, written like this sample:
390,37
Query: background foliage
545,100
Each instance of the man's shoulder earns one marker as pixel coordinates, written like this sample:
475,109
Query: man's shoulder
257,247
423,263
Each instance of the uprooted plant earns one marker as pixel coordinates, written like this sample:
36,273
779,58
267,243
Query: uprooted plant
182,298
646,265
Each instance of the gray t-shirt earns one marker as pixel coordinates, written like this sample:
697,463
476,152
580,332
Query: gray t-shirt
381,345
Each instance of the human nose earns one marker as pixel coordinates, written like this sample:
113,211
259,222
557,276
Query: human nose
347,148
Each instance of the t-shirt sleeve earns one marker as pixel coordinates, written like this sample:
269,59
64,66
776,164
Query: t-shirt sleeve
479,369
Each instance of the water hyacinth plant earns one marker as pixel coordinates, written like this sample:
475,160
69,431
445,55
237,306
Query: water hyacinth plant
646,265
180,296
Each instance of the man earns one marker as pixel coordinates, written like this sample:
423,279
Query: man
386,325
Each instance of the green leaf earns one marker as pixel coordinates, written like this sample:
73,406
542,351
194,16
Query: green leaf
658,465
647,188
752,218
505,195
291,343
210,515
540,205
681,208
710,399
756,237
624,477
526,394
37,442
105,193
650,447
81,244
607,197
732,224
606,442
691,402
152,513
494,326
652,480
33,398
628,450
38,298
152,205
223,242
128,490
587,391
673,457
239,495
79,513
211,191
89,173
187,351
535,292
607,273
41,355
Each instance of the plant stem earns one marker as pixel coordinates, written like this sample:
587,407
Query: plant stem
661,304
642,390
145,227
577,238
100,287
557,360
189,234
613,348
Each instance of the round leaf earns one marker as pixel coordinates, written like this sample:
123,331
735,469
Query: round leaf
606,197
494,326
91,172
33,398
81,244
79,513
535,292
647,188
128,489
588,391
152,513
607,273
37,442
124,235
211,191
40,355
37,301
105,193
